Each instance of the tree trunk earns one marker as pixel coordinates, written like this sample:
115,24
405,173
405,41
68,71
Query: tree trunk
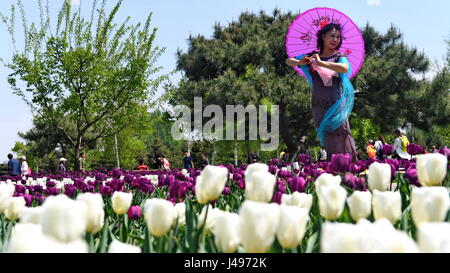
77,149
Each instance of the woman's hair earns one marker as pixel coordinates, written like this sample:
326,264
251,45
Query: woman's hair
381,138
324,30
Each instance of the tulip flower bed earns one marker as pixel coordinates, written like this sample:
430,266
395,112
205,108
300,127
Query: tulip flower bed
337,206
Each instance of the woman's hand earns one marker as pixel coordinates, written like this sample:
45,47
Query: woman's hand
294,62
316,57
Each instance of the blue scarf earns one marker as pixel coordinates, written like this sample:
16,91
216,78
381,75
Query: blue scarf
339,112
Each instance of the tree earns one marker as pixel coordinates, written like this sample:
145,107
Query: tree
92,72
244,63
386,80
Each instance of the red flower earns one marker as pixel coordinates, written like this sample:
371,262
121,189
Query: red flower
323,23
348,51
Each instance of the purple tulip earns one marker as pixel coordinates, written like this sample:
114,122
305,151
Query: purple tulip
355,168
277,197
135,213
411,176
105,190
445,151
341,162
388,149
281,186
147,188
241,184
237,176
350,180
20,188
70,190
177,189
38,189
226,191
28,199
298,184
273,169
52,191
304,159
116,173
360,184
414,149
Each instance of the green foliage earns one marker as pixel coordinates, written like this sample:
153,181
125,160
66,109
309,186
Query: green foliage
97,79
386,79
363,130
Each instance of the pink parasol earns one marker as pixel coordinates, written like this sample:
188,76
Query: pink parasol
301,37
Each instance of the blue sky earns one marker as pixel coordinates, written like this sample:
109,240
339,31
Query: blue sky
424,25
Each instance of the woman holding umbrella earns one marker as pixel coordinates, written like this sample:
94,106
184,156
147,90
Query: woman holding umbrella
328,71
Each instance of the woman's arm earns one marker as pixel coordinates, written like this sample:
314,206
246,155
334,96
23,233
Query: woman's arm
295,62
338,67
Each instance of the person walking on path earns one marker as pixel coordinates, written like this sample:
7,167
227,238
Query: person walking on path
13,165
188,163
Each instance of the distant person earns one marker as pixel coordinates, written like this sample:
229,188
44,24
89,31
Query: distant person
400,144
187,161
165,163
157,163
253,157
13,165
82,160
142,166
433,149
323,154
62,165
204,161
371,150
284,156
24,169
379,146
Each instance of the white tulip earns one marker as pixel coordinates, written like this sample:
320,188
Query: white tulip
119,247
226,232
95,212
339,238
258,225
429,204
331,200
31,215
299,199
434,237
28,238
159,215
365,237
6,192
259,186
431,169
181,213
327,179
292,226
63,218
387,205
379,176
210,217
382,237
13,207
210,183
255,167
121,202
360,204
